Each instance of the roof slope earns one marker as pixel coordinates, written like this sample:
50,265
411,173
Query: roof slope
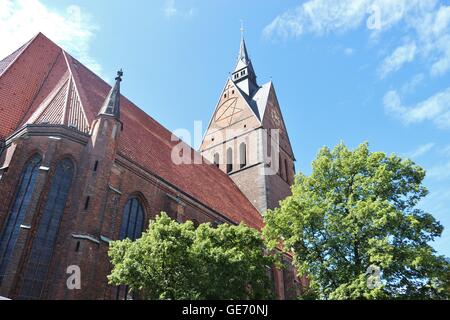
32,88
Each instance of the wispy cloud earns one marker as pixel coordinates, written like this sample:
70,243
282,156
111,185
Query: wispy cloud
436,109
412,84
445,151
420,150
439,172
171,10
397,59
426,21
73,29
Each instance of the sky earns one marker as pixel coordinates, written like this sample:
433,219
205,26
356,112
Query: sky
351,71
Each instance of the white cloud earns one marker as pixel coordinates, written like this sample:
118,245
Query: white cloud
399,57
426,21
436,109
420,150
325,16
349,51
171,10
412,84
73,29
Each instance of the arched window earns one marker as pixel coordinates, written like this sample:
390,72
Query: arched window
229,160
133,220
22,199
243,154
216,159
131,228
36,268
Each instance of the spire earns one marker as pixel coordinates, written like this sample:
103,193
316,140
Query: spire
243,55
244,75
111,106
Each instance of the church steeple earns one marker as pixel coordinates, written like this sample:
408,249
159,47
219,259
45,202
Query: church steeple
111,106
244,75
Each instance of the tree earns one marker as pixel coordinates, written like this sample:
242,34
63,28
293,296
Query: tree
178,261
357,214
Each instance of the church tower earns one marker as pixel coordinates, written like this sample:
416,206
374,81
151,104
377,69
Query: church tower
247,137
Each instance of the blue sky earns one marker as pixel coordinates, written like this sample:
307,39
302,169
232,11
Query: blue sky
365,70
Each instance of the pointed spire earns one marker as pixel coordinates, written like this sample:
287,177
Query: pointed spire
111,106
244,74
243,55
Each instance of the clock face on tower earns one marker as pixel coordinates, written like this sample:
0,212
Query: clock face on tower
227,111
276,119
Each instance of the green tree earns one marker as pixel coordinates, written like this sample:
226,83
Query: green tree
178,261
358,209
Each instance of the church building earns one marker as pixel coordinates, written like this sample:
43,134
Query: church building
81,165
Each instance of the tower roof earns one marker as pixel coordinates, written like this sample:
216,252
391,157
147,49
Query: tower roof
111,106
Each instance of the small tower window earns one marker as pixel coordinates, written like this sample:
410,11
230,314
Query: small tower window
229,160
243,154
96,166
216,160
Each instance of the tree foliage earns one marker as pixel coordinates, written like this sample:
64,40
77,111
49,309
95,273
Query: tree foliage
177,261
359,209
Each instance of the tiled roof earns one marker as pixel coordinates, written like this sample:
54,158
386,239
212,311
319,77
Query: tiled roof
35,81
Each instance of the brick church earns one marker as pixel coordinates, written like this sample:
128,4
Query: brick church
81,165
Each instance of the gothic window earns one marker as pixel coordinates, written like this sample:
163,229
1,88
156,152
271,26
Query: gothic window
131,228
243,154
133,220
216,160
36,268
229,160
22,199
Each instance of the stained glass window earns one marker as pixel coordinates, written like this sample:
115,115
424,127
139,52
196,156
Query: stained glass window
16,215
131,228
36,268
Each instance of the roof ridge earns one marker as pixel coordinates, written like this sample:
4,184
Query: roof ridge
69,66
62,84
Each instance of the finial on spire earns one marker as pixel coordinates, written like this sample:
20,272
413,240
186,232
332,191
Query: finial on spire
119,75
242,28
111,106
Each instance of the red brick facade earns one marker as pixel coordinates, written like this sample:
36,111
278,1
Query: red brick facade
114,160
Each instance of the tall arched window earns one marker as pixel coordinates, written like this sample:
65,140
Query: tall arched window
36,268
243,154
216,159
229,160
22,199
133,220
131,228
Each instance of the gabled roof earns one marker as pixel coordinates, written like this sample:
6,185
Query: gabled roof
32,89
63,106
